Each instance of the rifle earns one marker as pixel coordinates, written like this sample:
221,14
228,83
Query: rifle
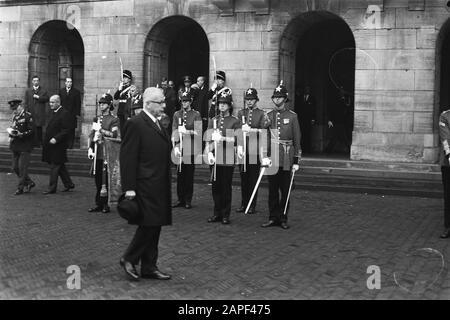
181,142
245,136
95,145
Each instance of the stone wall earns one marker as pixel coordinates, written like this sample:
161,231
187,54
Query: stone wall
396,91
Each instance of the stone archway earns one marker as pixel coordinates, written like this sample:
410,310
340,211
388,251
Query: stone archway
176,46
317,50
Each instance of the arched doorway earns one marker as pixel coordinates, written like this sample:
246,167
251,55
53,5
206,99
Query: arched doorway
176,46
57,52
443,60
317,63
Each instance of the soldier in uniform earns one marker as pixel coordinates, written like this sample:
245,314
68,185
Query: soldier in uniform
285,132
21,135
187,123
253,120
134,102
122,95
214,92
106,125
444,134
225,136
187,82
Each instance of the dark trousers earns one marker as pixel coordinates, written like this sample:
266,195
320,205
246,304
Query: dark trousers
61,171
248,182
21,160
38,136
446,183
144,248
122,120
337,135
221,191
71,138
278,183
185,182
100,201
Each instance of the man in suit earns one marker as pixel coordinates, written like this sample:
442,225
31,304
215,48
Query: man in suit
36,99
444,155
145,175
71,101
54,150
200,102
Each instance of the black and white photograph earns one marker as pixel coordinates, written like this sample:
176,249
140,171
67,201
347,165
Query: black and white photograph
225,156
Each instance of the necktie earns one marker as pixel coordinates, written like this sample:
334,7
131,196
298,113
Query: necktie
157,123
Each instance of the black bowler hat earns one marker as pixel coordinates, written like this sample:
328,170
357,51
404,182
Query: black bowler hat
220,75
13,104
127,74
128,209
187,79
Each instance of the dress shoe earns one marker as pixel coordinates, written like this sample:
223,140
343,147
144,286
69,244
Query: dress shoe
30,186
225,221
214,219
446,234
106,209
188,205
270,223
130,269
66,189
95,209
251,211
241,209
156,275
284,225
49,192
178,204
18,191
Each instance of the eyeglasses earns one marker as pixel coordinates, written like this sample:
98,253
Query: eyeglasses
158,102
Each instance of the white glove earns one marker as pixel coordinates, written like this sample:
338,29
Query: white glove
240,152
214,86
194,86
211,158
246,128
91,154
182,129
97,136
177,152
266,162
96,126
295,167
130,194
216,136
120,85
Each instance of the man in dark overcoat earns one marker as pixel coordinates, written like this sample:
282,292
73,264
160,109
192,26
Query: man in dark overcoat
145,175
36,99
54,150
71,101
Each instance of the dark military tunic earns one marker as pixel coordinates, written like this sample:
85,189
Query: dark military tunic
257,120
444,134
191,147
111,124
133,103
23,123
285,135
225,159
122,96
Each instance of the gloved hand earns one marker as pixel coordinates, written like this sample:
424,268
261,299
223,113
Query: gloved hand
97,136
194,86
130,194
266,162
295,167
240,152
214,86
211,158
96,126
91,154
182,129
216,136
120,85
177,152
246,128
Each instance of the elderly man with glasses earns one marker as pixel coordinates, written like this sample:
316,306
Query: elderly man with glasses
145,176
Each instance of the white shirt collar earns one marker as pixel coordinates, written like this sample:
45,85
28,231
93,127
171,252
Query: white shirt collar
150,115
57,109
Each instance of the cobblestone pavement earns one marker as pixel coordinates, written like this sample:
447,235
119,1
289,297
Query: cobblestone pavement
333,239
